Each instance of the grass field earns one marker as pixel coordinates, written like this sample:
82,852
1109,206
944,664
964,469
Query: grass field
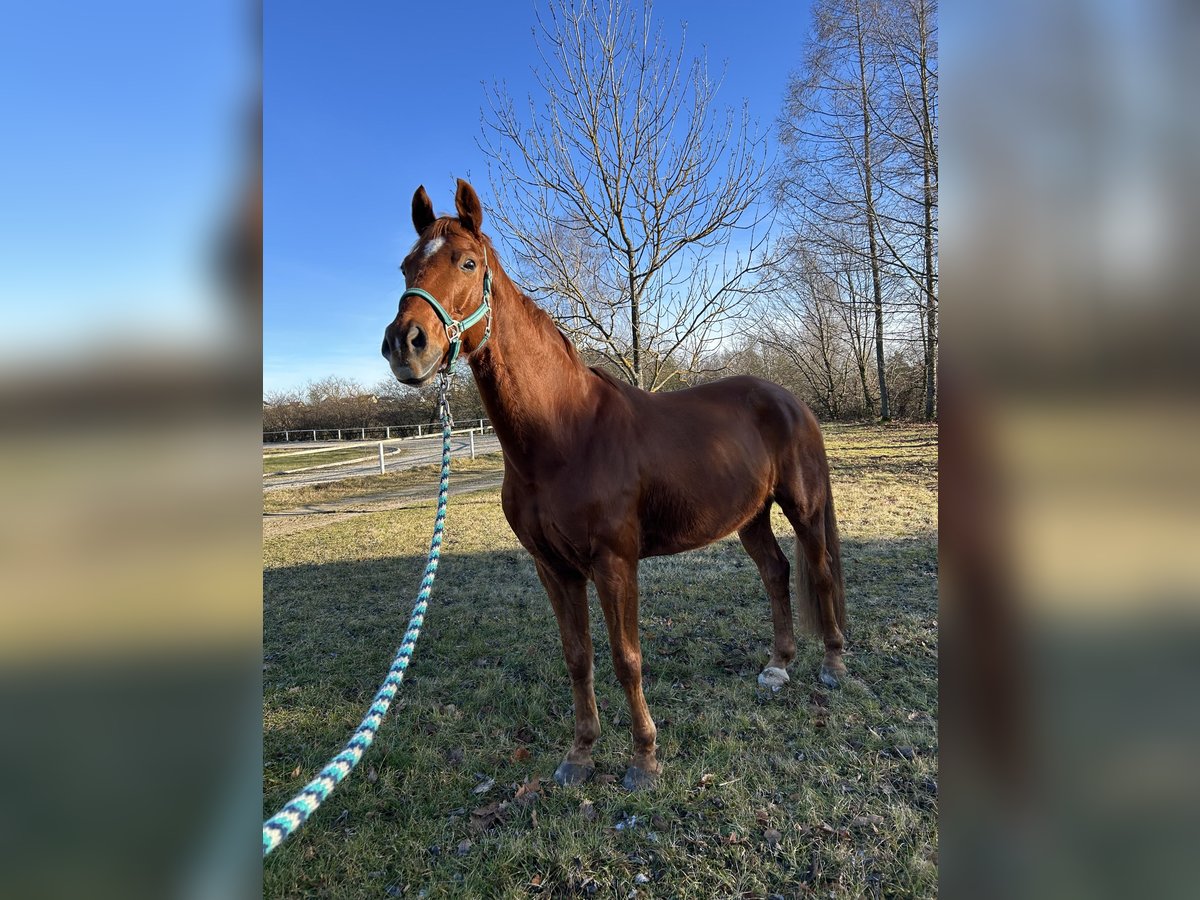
300,499
807,792
278,462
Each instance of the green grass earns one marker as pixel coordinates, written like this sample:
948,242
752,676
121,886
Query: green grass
805,792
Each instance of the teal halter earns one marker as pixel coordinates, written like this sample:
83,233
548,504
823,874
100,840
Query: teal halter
455,327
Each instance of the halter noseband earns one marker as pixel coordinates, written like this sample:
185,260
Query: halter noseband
456,327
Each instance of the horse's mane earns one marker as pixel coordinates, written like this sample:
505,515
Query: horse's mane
608,376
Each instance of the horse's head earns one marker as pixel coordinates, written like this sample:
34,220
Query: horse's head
445,304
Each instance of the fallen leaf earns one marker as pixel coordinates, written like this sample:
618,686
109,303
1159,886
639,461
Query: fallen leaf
524,735
536,881
296,772
487,816
528,792
606,779
772,837
464,848
372,775
521,754
707,778
533,819
732,839
641,878
762,817
484,787
588,810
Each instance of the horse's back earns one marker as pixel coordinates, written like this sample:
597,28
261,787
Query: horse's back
741,402
709,456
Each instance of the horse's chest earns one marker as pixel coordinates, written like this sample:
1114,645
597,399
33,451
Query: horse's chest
547,524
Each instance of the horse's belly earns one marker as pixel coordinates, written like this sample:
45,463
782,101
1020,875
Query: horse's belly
668,527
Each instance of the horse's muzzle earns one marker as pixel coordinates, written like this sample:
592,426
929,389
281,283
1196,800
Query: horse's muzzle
412,356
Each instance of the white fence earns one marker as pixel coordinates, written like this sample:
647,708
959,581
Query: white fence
370,433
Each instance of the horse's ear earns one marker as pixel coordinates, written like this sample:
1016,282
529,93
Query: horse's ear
423,215
470,210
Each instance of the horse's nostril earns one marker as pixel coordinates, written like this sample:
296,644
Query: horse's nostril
416,337
387,348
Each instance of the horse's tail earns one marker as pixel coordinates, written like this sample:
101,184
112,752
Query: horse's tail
807,596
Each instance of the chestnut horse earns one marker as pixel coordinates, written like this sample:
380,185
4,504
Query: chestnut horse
599,474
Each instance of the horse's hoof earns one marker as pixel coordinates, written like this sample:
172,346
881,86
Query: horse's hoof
832,676
638,779
569,773
773,678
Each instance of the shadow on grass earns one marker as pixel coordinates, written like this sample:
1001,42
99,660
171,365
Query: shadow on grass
715,605
488,698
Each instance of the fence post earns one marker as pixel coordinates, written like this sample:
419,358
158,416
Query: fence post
387,433
472,443
381,458
418,431
314,435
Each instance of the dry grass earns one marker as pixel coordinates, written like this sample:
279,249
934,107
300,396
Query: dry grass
805,792
274,463
400,484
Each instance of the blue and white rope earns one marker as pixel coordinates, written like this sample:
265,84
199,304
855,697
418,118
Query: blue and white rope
297,810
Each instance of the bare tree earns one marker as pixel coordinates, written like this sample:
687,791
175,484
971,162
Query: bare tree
805,327
629,199
829,131
909,40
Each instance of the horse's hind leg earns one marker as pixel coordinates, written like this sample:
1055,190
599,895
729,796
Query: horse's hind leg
760,543
819,588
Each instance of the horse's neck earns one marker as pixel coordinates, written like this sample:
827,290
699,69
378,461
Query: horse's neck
533,385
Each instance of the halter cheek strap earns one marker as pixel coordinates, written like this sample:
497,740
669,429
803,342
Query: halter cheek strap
456,327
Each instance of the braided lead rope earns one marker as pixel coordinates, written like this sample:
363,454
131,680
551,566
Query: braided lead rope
297,810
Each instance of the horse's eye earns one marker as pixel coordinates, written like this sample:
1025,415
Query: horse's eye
469,265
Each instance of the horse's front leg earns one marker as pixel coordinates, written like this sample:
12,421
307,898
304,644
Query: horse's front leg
568,596
617,587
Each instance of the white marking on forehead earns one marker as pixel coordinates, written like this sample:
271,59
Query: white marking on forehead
432,246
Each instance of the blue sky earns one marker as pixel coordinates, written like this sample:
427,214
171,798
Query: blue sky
122,148
363,103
